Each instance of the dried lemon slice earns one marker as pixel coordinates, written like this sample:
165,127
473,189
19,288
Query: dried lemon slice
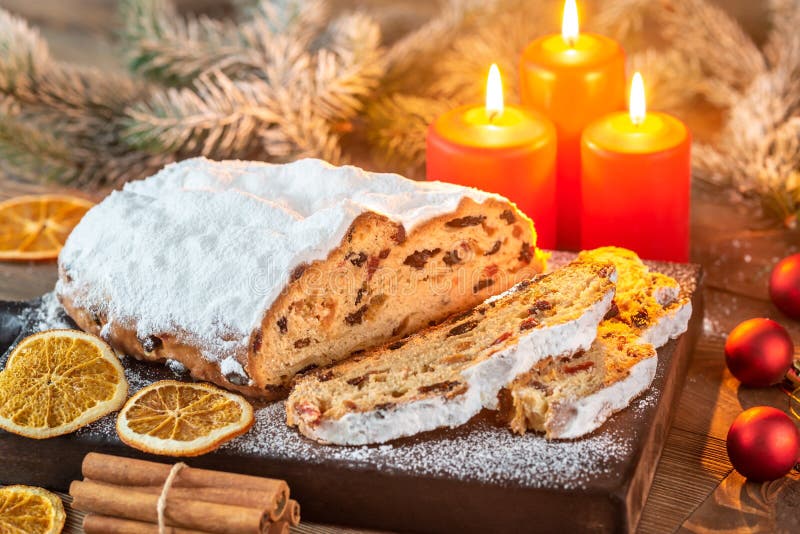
58,381
30,510
183,419
36,227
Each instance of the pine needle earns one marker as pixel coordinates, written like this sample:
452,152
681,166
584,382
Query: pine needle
728,54
34,154
399,125
217,117
61,122
163,46
349,70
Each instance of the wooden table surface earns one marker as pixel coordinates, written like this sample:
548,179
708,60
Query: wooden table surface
695,488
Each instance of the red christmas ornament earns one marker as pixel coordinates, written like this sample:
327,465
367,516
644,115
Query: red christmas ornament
763,443
759,352
784,286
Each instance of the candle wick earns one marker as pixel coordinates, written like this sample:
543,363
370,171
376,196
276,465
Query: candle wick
492,115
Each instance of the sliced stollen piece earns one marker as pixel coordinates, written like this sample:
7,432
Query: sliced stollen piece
568,397
442,376
650,303
248,273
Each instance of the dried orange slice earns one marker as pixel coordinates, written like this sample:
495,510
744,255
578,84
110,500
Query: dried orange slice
30,510
58,381
182,418
36,227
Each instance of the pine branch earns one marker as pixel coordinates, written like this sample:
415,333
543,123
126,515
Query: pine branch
61,122
301,134
461,70
620,18
217,118
672,79
758,152
221,118
349,70
35,145
175,49
783,42
22,50
29,75
728,54
302,20
162,45
402,58
34,154
297,79
296,82
399,124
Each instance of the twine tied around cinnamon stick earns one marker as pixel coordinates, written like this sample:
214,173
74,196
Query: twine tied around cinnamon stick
161,504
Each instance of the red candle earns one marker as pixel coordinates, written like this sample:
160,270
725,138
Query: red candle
572,78
502,149
636,176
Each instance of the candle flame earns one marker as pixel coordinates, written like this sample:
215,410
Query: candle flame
494,92
637,106
569,22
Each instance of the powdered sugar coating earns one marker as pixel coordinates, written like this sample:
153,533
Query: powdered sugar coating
49,315
224,238
480,451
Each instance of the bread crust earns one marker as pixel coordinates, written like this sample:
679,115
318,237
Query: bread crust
256,380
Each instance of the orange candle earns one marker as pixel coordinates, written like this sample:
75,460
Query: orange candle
636,181
502,149
572,78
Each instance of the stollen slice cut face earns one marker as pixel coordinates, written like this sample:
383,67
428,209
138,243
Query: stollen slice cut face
570,397
30,510
442,376
183,419
36,227
649,304
58,381
567,398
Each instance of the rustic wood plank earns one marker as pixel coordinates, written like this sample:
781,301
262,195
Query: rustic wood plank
741,506
691,467
707,406
712,397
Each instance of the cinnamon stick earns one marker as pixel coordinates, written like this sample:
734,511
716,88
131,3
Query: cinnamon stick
292,513
235,497
103,524
281,527
129,472
115,501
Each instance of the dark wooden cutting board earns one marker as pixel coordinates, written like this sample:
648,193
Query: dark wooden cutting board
477,478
